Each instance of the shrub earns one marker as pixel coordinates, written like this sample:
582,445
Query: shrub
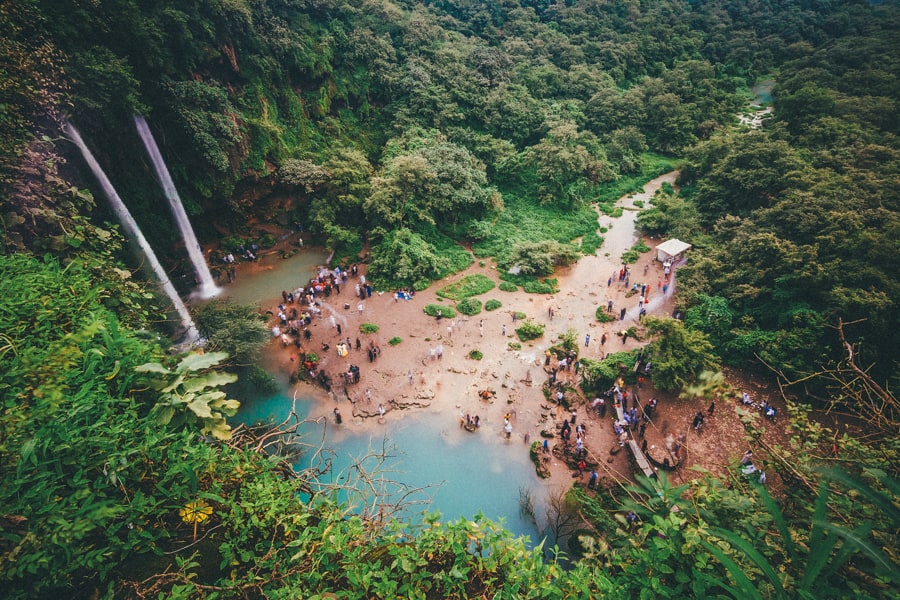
470,285
530,331
506,286
514,346
540,258
492,304
520,316
630,256
544,286
469,306
603,316
446,311
395,340
368,328
634,253
476,354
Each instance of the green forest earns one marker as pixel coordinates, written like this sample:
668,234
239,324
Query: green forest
425,136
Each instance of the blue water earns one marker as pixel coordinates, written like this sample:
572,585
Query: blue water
460,473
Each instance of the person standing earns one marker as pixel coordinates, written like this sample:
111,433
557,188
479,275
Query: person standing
587,340
622,314
609,306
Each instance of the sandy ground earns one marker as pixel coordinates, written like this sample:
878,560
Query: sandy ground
406,376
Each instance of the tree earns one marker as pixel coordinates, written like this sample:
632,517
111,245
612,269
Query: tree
404,258
540,258
433,179
566,159
678,354
238,330
304,174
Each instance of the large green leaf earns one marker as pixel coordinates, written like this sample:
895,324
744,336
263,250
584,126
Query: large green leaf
152,368
200,408
198,362
213,379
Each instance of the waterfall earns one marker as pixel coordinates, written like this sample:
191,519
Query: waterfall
208,287
134,232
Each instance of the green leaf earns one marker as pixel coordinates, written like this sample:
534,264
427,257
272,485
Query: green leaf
200,408
197,362
214,379
164,415
152,368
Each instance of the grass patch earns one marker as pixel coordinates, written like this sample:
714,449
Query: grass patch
492,305
476,354
514,346
458,257
520,316
526,220
469,306
470,285
369,328
507,286
530,331
446,311
591,242
395,340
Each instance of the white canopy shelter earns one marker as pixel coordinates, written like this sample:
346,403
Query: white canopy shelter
671,250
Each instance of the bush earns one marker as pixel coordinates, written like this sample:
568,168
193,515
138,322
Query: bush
520,316
603,316
514,346
395,340
446,311
530,331
469,306
540,258
476,354
368,328
634,253
492,304
506,286
630,256
544,286
470,285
